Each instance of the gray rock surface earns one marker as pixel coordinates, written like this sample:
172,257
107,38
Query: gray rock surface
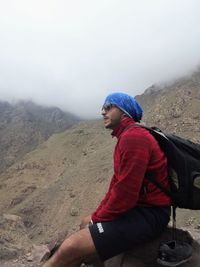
146,255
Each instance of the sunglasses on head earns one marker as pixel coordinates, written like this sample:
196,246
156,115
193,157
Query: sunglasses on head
108,107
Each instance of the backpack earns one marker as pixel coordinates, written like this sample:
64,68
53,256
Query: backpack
184,169
183,173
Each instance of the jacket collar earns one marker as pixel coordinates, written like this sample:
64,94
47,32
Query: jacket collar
122,126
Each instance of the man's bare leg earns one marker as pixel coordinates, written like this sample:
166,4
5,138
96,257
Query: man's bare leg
76,249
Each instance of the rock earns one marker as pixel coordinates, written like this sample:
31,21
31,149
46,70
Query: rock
7,253
42,253
146,255
12,217
72,195
39,254
74,211
14,240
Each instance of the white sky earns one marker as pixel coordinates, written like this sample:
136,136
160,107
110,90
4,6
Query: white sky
73,53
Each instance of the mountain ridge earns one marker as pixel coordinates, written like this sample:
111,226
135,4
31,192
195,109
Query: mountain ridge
174,108
24,125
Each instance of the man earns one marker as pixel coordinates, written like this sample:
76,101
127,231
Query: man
133,210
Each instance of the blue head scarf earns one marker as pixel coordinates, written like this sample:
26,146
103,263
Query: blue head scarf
127,104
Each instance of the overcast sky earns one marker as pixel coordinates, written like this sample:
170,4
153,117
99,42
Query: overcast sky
72,53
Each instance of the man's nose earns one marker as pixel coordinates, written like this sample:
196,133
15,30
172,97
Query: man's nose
103,112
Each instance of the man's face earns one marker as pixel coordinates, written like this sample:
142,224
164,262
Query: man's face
112,116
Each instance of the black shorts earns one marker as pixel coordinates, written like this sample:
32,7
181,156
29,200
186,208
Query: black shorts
136,227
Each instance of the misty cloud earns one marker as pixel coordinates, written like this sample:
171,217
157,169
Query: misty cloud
73,53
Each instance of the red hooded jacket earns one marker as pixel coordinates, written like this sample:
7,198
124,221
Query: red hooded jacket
136,152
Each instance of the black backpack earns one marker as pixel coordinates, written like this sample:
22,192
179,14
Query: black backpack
183,172
184,169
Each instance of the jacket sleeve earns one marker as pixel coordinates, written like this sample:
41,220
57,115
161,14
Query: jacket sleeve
134,154
106,197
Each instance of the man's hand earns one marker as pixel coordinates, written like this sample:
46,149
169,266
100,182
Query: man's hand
85,222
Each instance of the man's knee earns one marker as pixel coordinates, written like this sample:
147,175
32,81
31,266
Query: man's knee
78,246
68,247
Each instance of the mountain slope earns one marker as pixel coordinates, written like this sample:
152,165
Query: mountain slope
25,125
60,181
174,108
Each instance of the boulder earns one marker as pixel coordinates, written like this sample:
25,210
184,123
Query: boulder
14,240
146,255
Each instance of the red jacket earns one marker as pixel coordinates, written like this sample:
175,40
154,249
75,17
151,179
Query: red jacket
136,152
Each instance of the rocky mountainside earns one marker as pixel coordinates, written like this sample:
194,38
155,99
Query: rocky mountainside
65,177
54,186
24,125
174,108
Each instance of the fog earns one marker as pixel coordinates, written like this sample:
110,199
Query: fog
71,54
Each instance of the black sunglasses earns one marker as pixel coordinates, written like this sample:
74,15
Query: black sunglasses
108,107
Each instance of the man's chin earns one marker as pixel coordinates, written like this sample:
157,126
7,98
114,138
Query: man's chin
108,126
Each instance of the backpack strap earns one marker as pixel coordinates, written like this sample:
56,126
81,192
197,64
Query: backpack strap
174,236
149,176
